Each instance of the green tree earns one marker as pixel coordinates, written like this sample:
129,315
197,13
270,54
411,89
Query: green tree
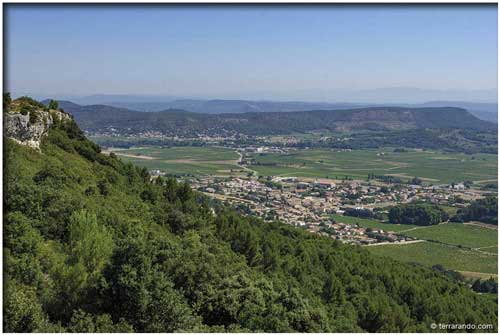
333,291
6,102
22,311
53,104
82,322
90,243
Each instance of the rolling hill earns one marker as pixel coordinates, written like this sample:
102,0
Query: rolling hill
484,111
99,118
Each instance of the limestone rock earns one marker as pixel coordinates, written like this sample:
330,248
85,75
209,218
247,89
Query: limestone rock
29,129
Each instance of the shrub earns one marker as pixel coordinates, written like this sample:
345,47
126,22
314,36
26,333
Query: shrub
34,116
25,110
29,101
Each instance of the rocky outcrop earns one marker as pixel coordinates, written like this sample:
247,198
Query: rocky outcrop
29,129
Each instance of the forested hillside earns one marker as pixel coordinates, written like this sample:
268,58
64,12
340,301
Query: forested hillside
100,118
93,245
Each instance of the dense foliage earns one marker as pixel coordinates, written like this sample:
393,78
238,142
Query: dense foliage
92,245
362,213
483,210
485,286
420,214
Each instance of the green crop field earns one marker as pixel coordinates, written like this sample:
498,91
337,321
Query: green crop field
367,223
448,244
457,234
183,160
493,250
428,253
431,166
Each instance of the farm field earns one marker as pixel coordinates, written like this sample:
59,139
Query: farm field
457,234
467,248
493,250
183,160
191,153
451,257
432,167
367,223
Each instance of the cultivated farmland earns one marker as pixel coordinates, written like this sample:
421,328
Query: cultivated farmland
451,257
432,167
183,160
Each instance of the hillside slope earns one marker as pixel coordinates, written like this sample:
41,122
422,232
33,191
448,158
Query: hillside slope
93,245
484,111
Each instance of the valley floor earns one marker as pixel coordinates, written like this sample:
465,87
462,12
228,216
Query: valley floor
470,248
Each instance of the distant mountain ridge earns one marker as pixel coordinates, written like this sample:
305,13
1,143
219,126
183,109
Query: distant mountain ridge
220,106
484,111
99,118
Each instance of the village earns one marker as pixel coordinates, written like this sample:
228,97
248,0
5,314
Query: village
319,205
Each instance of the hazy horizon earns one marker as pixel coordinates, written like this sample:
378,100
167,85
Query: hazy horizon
331,53
392,95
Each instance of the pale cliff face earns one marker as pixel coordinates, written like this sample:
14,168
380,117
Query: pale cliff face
28,130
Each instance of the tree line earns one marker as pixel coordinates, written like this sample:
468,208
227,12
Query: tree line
420,214
483,210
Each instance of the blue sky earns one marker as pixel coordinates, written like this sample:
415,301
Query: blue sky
223,50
